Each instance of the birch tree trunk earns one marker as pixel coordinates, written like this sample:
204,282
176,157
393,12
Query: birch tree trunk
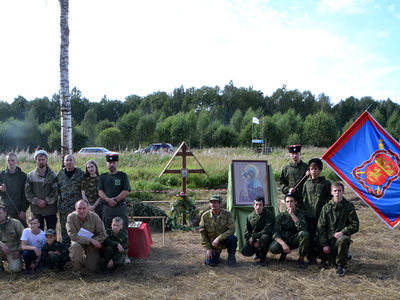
65,105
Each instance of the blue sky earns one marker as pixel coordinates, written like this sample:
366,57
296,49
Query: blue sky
118,48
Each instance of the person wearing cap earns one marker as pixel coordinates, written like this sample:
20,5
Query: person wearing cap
54,253
217,229
10,234
316,193
259,229
41,190
337,222
86,231
293,173
113,188
69,185
12,189
290,232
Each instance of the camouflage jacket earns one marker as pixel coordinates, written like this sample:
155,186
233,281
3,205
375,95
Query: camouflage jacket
316,193
89,185
258,225
211,227
56,246
15,185
69,190
337,217
286,227
291,175
42,187
10,233
113,240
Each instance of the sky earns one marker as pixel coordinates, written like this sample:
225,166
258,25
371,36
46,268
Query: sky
118,48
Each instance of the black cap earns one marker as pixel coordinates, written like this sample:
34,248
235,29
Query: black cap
112,157
294,148
316,161
291,195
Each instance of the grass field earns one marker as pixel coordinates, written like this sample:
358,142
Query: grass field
176,271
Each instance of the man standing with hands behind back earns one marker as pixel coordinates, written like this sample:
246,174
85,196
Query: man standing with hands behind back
113,188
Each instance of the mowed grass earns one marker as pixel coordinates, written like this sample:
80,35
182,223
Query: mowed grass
176,271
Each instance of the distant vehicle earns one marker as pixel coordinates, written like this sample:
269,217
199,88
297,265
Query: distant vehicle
157,148
93,151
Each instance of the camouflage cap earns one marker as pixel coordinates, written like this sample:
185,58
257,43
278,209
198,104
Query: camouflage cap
51,231
216,198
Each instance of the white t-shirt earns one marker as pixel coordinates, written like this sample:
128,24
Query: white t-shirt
34,240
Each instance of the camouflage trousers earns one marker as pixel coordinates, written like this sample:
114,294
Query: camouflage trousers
265,241
299,240
64,235
339,249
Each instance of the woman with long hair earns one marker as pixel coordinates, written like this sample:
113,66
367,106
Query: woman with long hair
89,188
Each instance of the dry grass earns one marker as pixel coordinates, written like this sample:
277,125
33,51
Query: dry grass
176,272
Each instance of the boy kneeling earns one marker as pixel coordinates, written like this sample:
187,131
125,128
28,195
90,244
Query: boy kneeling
116,245
54,254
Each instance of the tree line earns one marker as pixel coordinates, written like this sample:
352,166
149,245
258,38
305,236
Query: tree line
203,117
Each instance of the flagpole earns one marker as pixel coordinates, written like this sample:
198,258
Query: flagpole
252,124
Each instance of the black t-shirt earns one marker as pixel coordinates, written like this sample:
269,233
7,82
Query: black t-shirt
113,185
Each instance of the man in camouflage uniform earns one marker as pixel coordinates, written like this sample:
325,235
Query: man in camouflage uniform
69,184
54,253
41,191
337,222
290,232
292,174
12,190
10,234
316,193
258,234
217,229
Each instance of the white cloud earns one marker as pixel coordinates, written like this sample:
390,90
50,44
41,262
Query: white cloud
345,6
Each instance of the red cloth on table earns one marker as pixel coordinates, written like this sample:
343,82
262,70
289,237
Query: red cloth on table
140,241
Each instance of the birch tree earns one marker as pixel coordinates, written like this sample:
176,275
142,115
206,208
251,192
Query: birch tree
65,105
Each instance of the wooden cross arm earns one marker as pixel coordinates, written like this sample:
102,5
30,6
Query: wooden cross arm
199,171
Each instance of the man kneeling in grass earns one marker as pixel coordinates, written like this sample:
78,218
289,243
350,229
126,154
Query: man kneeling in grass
290,232
337,222
217,229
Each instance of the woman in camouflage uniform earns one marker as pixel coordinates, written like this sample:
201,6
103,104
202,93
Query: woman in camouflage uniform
89,188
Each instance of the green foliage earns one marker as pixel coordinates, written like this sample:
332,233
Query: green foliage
393,125
225,136
137,208
194,115
109,138
182,207
320,129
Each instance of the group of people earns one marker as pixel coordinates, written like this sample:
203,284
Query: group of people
93,218
317,220
93,215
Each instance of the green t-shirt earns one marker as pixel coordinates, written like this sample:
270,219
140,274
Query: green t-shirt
113,185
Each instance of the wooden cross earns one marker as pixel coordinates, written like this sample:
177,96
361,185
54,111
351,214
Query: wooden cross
183,151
